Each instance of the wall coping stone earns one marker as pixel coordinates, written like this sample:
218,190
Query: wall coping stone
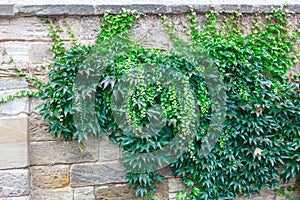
98,7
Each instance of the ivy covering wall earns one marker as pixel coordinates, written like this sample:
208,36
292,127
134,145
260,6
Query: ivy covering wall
261,127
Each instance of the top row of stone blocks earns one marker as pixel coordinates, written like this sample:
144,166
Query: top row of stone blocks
95,7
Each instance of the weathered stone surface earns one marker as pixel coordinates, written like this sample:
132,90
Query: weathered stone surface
18,105
9,83
56,176
16,52
108,151
14,183
86,193
74,24
23,28
89,27
152,34
124,191
55,9
116,192
175,185
6,10
13,142
60,152
39,52
38,129
91,7
8,70
97,174
53,194
16,198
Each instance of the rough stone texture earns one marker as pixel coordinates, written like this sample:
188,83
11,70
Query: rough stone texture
53,194
8,70
14,183
55,9
18,105
42,8
124,191
55,152
89,26
175,185
86,193
6,10
39,52
108,150
13,142
17,198
23,29
10,83
16,52
97,174
56,176
38,129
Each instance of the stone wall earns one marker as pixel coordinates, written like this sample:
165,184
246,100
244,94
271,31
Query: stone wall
33,164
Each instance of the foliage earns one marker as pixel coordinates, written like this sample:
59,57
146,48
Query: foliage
261,130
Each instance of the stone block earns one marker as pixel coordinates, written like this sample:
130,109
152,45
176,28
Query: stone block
53,152
125,191
13,83
6,10
55,9
16,106
14,183
23,28
39,52
97,174
56,176
38,129
8,70
89,27
86,193
16,52
13,142
17,198
108,151
116,192
53,194
175,185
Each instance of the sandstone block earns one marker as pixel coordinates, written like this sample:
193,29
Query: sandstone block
56,176
53,152
97,174
108,151
13,142
14,183
16,106
38,129
13,83
6,10
39,52
175,185
16,52
23,28
86,193
125,191
17,198
53,194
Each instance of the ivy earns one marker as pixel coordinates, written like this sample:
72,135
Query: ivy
261,128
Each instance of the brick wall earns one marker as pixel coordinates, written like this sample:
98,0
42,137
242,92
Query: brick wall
33,164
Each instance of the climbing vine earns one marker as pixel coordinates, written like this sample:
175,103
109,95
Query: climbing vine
261,130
